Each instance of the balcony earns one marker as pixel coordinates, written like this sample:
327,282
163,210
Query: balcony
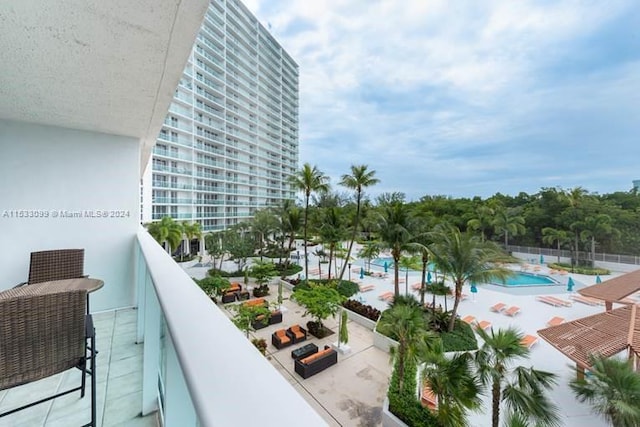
156,361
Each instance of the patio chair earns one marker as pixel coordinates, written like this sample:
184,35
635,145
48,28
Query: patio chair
498,307
469,319
428,398
529,340
548,300
44,333
555,321
512,311
57,264
484,325
586,300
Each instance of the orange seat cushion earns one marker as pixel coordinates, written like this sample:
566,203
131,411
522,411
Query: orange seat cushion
315,356
281,332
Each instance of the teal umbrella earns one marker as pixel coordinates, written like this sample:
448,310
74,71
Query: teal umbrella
598,279
474,290
541,259
386,266
362,272
570,285
428,277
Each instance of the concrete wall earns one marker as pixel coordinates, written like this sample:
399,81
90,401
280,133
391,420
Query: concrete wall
48,173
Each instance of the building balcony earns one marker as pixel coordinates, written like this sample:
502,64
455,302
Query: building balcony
157,366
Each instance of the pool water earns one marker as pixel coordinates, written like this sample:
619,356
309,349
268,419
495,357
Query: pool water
526,279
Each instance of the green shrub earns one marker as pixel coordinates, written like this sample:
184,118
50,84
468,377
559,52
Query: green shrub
461,338
215,272
592,271
406,406
288,270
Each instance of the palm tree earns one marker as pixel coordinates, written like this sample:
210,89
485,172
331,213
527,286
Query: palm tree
166,230
369,252
406,324
451,379
290,224
359,179
483,220
551,235
263,223
521,389
408,263
465,258
191,231
596,227
613,389
395,228
309,180
508,220
332,231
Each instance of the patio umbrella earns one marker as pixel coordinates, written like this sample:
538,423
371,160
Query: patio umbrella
362,272
570,285
428,277
386,266
598,279
474,290
541,259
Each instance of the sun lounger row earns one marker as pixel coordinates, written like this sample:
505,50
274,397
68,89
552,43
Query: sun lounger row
586,300
471,320
502,308
556,302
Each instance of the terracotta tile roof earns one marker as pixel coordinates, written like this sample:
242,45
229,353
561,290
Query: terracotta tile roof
614,289
606,334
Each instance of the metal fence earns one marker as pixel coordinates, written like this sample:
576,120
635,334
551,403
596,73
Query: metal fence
586,256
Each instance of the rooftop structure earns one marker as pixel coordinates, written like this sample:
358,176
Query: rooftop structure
229,143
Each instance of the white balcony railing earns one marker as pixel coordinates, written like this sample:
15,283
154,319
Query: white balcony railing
199,369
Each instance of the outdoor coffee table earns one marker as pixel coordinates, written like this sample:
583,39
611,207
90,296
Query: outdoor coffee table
304,351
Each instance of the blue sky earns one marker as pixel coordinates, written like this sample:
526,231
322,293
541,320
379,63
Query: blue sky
467,98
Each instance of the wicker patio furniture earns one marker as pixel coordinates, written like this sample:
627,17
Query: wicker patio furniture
45,330
58,264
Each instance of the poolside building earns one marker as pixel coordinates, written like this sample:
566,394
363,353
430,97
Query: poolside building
229,142
85,90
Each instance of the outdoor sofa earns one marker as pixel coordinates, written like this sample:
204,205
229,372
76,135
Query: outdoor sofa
315,363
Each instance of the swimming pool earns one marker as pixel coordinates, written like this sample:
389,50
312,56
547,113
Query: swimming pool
527,279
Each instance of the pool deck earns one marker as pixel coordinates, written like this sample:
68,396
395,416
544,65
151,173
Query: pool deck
532,317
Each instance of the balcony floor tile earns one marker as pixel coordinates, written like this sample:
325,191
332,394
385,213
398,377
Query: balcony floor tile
119,377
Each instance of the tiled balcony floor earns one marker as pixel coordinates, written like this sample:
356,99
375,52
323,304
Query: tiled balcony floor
119,383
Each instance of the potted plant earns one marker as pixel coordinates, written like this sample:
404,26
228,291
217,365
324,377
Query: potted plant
261,345
262,272
343,334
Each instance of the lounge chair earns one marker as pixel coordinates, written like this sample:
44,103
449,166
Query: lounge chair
484,325
586,300
529,340
428,398
512,311
498,307
366,288
555,321
561,301
385,296
556,302
469,319
416,286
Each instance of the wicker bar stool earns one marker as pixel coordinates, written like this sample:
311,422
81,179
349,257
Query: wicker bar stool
43,332
57,264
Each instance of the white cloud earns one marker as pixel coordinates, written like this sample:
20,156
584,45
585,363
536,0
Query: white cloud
475,85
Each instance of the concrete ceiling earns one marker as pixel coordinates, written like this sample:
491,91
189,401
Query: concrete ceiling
106,66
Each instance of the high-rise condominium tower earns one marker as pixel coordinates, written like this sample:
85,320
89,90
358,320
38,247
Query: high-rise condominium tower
230,140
